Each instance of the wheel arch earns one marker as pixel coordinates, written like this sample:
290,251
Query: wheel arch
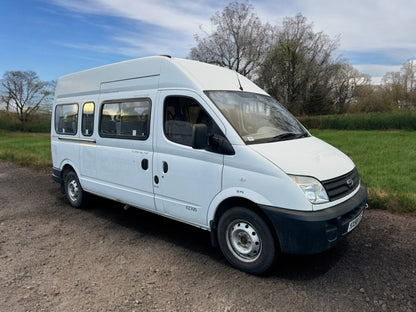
66,168
239,202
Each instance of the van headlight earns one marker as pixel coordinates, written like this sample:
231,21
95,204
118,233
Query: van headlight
312,188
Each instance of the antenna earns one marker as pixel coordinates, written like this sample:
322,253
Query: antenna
239,83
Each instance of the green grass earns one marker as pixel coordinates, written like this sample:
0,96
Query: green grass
386,161
26,149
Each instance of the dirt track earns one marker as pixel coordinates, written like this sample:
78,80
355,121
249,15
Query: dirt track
56,258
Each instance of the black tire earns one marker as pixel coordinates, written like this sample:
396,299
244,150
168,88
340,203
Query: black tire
76,196
246,241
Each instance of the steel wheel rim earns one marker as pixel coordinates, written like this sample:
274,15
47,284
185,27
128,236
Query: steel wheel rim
243,241
73,190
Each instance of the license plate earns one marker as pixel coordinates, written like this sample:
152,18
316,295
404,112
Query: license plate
355,222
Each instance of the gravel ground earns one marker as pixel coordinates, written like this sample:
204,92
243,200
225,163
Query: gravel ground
103,258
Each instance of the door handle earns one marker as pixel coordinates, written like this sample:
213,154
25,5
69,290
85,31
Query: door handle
145,164
165,167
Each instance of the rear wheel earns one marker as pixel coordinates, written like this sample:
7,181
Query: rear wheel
246,241
74,193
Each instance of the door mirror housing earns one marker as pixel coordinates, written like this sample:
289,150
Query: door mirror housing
213,143
199,136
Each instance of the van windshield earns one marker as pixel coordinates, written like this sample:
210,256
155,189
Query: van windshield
257,118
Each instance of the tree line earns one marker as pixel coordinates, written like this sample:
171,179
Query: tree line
298,66
292,62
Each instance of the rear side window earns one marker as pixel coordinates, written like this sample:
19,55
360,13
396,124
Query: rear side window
66,118
128,119
88,119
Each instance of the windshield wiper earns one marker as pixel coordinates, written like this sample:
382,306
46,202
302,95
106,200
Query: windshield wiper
288,136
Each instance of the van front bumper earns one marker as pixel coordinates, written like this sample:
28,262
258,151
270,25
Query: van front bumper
310,232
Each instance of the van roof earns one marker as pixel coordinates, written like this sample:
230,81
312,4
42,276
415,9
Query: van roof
164,72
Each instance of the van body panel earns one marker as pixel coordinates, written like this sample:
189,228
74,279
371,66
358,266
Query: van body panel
307,157
67,148
88,153
216,78
135,84
251,171
89,81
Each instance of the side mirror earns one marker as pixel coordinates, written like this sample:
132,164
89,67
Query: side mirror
199,136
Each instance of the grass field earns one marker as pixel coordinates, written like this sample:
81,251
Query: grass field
386,160
26,149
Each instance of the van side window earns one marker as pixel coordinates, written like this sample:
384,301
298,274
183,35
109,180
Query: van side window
66,118
88,119
180,114
128,119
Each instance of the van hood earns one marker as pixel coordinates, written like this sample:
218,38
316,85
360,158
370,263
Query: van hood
307,157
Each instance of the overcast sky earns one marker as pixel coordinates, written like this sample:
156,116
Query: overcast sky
57,37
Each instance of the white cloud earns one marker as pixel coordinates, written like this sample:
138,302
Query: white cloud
163,26
363,25
377,71
134,46
181,16
371,25
380,29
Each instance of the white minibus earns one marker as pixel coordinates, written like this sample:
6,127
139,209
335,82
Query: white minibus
203,145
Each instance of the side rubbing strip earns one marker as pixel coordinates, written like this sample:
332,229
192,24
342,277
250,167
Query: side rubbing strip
77,140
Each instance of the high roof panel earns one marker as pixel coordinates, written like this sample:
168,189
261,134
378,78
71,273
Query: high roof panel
166,72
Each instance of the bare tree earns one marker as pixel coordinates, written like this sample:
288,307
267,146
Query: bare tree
408,74
24,92
347,85
300,67
400,86
238,41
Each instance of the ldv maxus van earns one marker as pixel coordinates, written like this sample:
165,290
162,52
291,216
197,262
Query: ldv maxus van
203,145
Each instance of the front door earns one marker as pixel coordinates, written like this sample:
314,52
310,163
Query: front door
185,179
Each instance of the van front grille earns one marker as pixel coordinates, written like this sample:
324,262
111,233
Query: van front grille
342,186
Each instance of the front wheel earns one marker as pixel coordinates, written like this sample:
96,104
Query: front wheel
74,193
246,241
